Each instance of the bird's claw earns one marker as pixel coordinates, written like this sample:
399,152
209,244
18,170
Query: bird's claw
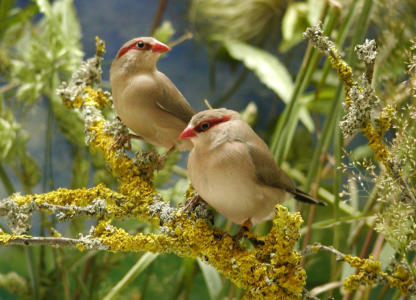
122,139
160,162
198,206
192,202
244,230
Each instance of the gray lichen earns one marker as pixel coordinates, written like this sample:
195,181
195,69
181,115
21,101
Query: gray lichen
17,216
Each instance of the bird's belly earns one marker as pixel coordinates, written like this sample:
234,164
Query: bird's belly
234,195
231,197
142,120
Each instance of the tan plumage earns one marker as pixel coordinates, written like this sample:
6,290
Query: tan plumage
233,170
145,99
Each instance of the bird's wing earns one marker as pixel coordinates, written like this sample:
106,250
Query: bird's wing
171,100
267,171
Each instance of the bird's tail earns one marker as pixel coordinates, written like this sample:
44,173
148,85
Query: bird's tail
303,197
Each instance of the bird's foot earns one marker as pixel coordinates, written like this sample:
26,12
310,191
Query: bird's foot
160,162
244,230
198,206
254,239
192,202
124,138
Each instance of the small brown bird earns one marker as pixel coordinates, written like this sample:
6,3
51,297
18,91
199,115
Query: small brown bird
233,170
145,99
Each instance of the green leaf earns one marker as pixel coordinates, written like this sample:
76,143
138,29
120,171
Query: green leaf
80,170
314,10
145,260
175,193
386,255
361,152
266,66
5,8
30,173
7,137
164,32
294,24
212,279
270,72
69,122
45,8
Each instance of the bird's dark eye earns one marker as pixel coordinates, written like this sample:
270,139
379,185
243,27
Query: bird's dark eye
204,126
140,45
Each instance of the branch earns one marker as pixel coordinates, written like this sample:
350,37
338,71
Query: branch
33,240
368,271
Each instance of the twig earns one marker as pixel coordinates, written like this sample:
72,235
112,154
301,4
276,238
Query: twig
207,104
325,287
181,39
313,248
8,185
307,295
159,15
50,241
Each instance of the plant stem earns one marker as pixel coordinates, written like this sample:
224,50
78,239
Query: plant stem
34,278
47,162
230,91
159,15
145,260
281,141
8,185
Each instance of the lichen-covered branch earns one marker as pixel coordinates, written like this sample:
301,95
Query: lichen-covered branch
360,99
369,271
272,270
396,221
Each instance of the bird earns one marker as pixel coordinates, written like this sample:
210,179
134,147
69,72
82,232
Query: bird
145,99
233,170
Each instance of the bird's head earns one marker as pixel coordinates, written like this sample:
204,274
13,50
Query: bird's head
140,53
209,125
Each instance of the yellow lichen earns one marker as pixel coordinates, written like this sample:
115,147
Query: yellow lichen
271,271
400,279
369,272
62,196
96,98
55,233
5,237
383,121
368,265
99,47
376,144
344,72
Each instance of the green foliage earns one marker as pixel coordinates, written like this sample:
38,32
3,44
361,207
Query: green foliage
298,16
212,279
234,19
164,32
269,70
43,54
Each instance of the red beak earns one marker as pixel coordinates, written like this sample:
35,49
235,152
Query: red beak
187,133
159,47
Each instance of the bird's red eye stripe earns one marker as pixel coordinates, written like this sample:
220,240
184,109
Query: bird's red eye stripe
206,124
133,45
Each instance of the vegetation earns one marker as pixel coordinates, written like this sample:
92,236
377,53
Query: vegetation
346,134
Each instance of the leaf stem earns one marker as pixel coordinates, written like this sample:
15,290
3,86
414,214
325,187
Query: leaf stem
145,260
8,185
